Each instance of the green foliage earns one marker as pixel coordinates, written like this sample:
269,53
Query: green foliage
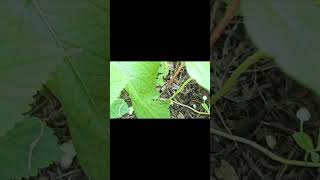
314,157
140,79
118,81
24,65
15,149
205,107
304,141
288,30
79,94
81,82
162,73
36,36
200,71
142,88
118,108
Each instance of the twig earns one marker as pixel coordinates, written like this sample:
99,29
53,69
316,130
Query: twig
231,9
265,151
190,108
174,76
180,89
224,124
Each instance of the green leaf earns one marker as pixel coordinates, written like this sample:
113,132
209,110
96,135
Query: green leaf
15,149
200,71
77,92
314,156
119,108
142,89
162,73
81,83
28,55
288,30
304,141
118,81
205,106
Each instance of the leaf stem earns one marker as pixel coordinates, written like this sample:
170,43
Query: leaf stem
180,89
231,82
265,151
301,126
190,108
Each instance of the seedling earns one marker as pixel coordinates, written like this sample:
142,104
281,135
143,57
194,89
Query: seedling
303,139
204,105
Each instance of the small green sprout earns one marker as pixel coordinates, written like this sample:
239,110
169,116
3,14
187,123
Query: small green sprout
303,139
204,105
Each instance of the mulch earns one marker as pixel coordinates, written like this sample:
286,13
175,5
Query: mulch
263,104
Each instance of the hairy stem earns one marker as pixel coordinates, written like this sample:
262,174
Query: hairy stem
198,112
231,82
180,89
265,151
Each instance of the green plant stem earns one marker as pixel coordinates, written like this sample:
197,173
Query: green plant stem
231,82
265,151
190,108
180,89
301,126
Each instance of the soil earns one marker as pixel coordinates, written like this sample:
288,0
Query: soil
262,106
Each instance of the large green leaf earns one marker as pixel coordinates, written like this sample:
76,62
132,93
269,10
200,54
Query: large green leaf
76,88
81,82
15,149
118,108
142,89
28,54
200,71
118,81
288,30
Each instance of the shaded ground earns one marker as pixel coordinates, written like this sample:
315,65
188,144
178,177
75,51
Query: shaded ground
190,96
46,106
263,104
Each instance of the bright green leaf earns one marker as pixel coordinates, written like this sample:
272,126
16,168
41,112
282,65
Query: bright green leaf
162,73
200,71
288,30
142,89
304,141
118,81
118,108
15,148
205,106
